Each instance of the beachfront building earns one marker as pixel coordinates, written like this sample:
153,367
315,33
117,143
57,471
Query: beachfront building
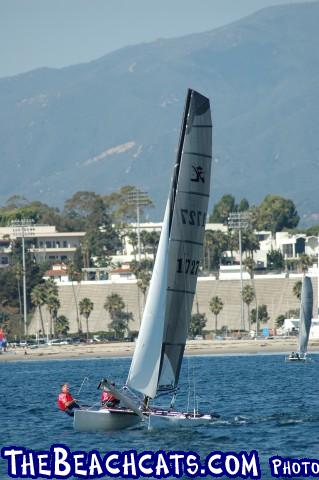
291,327
43,242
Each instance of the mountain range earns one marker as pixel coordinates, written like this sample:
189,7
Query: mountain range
115,121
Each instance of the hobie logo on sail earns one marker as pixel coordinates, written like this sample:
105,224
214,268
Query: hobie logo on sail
199,174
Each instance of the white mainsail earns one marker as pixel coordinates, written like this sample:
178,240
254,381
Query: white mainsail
159,351
306,305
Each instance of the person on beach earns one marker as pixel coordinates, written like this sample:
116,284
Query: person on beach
108,399
66,402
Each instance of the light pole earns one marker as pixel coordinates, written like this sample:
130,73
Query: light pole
138,198
21,229
238,221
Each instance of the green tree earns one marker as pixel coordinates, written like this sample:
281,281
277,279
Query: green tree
115,305
275,260
150,241
305,262
91,211
216,305
250,265
62,325
132,238
197,324
243,205
138,268
250,242
297,289
53,305
75,276
280,320
262,317
38,297
215,245
122,208
276,213
248,297
86,307
143,282
222,209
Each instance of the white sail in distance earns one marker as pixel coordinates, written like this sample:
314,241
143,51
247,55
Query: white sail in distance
306,305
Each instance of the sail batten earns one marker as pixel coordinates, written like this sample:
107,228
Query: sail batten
209,157
160,347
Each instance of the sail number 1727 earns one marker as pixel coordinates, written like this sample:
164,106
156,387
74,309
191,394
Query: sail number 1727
186,265
193,217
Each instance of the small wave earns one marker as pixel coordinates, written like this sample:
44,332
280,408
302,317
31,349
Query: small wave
241,419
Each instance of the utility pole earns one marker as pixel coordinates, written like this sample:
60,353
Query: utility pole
139,199
239,221
23,229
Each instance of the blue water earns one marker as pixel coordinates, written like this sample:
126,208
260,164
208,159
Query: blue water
264,404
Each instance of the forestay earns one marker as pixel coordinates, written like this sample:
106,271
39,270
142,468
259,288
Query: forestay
158,355
306,304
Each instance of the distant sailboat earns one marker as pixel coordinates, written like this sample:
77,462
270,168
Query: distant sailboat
158,355
306,305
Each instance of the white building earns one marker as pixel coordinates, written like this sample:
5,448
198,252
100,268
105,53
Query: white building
44,243
291,325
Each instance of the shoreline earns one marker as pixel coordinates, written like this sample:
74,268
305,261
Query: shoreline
125,349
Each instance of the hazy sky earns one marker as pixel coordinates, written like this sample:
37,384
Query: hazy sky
55,33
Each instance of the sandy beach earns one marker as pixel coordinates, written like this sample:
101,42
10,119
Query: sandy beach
125,349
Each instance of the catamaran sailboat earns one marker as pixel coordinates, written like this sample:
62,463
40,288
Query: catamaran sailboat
306,304
158,355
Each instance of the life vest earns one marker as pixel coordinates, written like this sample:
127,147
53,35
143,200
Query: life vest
64,398
107,397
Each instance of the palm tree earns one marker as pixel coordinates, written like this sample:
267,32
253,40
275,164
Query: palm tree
259,315
50,292
153,241
74,275
18,270
250,264
304,262
197,324
216,305
115,306
143,282
53,304
38,299
62,325
86,307
248,297
132,238
51,288
297,289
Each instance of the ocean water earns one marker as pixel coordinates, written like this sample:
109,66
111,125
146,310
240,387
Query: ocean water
264,404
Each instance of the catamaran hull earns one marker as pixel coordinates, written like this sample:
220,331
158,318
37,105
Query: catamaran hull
158,418
298,360
103,420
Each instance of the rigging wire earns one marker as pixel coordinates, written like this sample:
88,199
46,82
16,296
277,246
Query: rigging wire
85,379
